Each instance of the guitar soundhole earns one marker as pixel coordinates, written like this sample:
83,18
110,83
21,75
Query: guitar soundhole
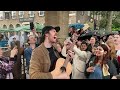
63,69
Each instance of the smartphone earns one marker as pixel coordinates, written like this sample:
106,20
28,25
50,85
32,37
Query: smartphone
91,63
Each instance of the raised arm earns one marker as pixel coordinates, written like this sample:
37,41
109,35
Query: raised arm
80,53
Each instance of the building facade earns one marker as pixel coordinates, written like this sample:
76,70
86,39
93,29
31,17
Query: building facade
13,19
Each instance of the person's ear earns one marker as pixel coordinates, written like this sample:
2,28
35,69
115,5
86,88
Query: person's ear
46,34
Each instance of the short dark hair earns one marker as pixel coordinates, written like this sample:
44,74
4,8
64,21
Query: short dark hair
84,42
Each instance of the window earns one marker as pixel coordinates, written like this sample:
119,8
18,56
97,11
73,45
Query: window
4,26
13,14
82,13
7,15
17,25
21,14
11,26
31,13
1,15
88,13
41,13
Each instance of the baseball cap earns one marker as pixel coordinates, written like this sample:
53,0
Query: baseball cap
48,28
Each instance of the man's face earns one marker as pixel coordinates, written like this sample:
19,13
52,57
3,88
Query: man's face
83,47
111,38
92,40
32,39
116,37
52,36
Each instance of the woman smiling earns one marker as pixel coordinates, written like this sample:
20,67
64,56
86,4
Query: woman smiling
103,67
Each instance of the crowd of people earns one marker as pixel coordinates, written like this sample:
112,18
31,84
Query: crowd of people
93,57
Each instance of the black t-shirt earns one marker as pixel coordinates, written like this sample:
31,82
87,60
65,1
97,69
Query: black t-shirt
53,58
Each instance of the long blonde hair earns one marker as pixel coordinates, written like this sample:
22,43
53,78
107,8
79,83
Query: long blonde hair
112,50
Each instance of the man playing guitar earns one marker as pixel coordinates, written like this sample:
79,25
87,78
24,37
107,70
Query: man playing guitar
44,57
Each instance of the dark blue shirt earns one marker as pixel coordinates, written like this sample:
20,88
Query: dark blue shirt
27,54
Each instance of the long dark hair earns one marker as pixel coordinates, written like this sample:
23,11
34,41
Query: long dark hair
105,57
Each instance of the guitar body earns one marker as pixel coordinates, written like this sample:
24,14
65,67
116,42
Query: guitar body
59,64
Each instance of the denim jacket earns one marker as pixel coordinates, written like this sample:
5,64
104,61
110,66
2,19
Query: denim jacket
27,54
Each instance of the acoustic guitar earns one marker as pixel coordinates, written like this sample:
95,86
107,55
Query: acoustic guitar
62,65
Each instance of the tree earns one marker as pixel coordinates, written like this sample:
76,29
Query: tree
109,21
103,23
116,21
106,21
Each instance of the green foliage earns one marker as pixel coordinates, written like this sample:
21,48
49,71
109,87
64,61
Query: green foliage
115,25
103,23
115,29
105,14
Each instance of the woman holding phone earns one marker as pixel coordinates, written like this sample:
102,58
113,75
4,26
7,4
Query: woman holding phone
6,63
